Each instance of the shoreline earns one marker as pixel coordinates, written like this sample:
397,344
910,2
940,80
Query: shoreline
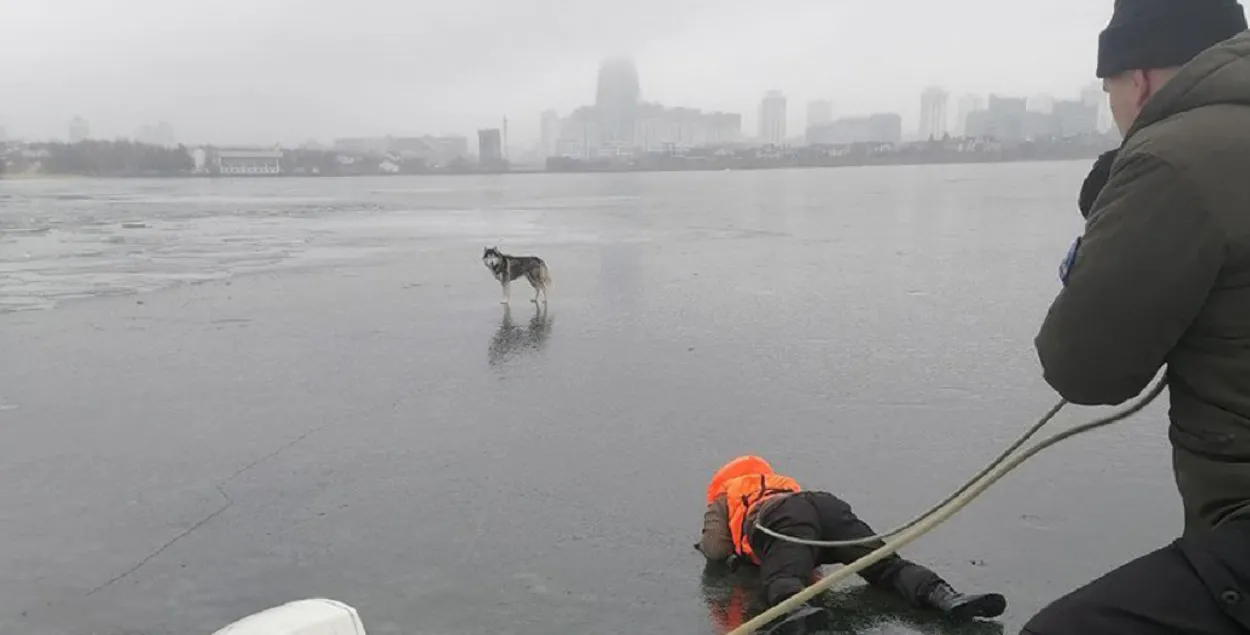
727,166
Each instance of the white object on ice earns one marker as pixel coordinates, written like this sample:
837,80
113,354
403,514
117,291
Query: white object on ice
302,617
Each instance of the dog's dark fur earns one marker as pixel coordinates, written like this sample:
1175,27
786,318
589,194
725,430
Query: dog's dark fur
507,268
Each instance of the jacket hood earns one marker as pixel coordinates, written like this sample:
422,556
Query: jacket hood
740,466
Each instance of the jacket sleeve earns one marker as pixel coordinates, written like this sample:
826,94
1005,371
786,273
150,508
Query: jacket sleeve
1137,278
716,543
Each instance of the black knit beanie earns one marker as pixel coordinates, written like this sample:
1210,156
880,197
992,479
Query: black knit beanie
1161,33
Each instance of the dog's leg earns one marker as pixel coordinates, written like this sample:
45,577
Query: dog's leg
546,282
505,277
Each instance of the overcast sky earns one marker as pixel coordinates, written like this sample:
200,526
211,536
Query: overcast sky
268,71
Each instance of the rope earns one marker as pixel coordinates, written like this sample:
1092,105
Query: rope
954,503
913,522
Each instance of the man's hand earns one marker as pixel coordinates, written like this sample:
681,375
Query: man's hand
1095,181
1132,285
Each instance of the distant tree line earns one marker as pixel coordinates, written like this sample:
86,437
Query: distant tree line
114,158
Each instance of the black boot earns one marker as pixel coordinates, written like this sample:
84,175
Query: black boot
963,607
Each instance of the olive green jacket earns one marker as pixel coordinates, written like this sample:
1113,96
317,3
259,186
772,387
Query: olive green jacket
1162,275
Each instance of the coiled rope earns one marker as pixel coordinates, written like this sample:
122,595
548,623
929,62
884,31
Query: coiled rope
938,514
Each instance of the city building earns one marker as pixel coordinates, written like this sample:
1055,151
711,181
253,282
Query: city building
1038,125
375,146
617,94
1072,118
819,112
772,127
876,128
490,146
933,118
447,148
1010,119
1003,119
313,145
245,161
620,124
433,150
968,104
656,129
579,134
549,135
663,129
79,130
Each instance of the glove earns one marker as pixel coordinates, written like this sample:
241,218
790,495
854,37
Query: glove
1095,181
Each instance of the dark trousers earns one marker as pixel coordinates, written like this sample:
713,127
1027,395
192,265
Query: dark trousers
786,567
1196,585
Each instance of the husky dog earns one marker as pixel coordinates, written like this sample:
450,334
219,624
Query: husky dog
507,268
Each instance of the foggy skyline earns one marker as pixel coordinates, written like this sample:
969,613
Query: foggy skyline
284,71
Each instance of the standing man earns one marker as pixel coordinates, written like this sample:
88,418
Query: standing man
1162,275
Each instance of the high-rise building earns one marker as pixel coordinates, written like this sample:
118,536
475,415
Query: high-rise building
819,112
79,130
489,146
621,124
772,128
968,104
933,113
549,133
616,99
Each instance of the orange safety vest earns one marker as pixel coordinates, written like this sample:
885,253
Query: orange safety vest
746,482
